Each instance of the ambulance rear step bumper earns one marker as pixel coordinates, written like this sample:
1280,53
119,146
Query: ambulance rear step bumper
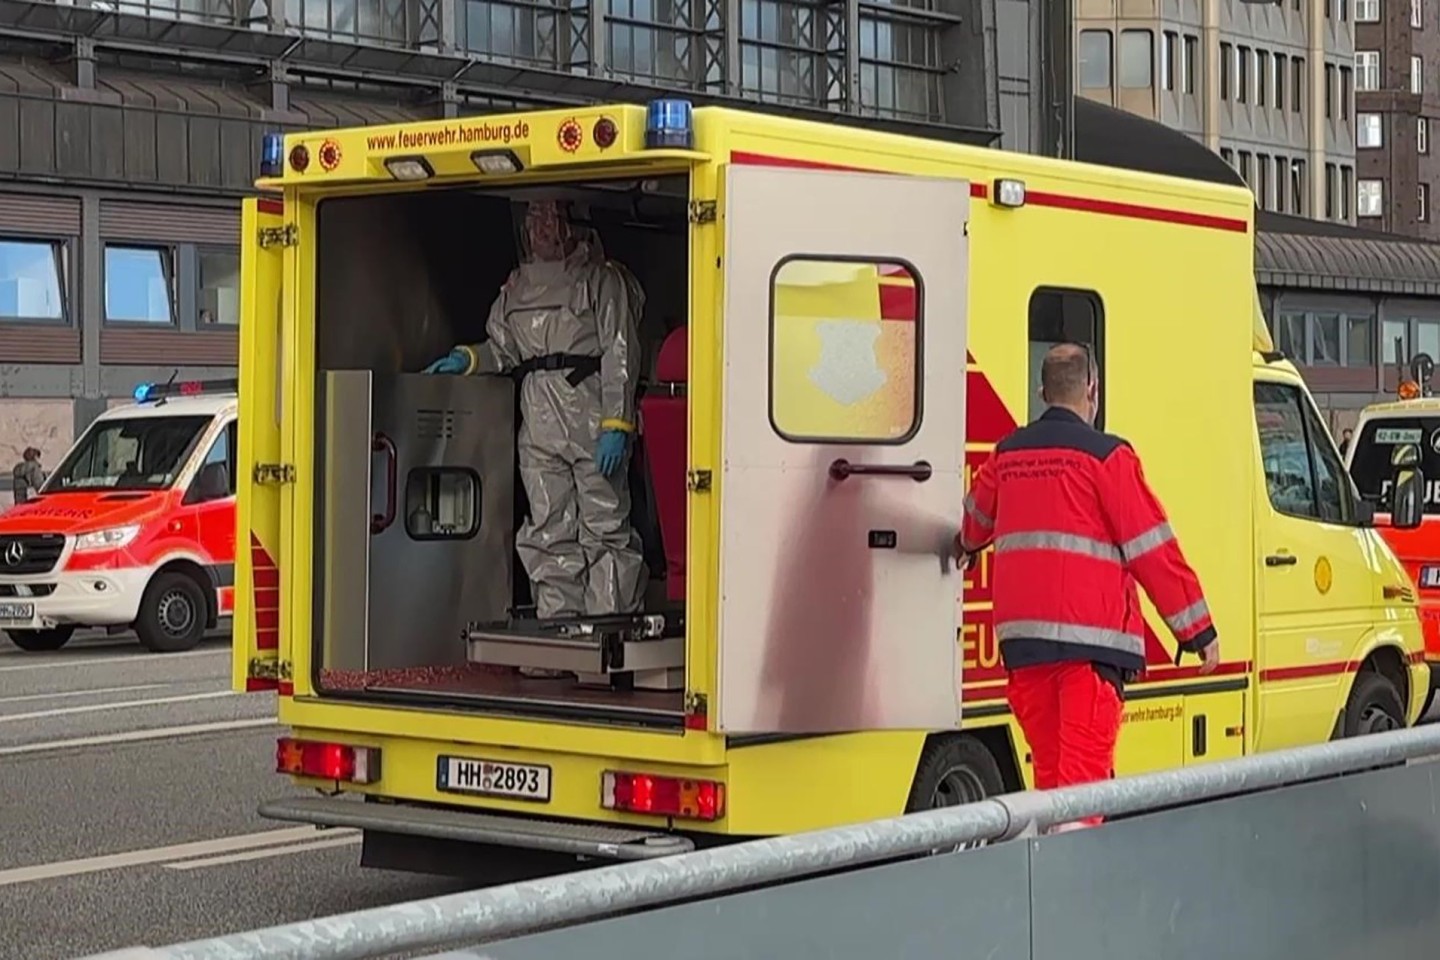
579,839
647,647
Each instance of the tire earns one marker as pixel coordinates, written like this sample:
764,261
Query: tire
1374,706
39,641
173,614
952,771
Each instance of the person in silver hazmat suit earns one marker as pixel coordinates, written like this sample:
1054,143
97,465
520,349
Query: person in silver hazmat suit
567,322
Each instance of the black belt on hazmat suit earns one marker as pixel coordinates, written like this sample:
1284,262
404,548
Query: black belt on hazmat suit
581,366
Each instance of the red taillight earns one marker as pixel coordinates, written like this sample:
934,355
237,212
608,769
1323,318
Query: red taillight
299,157
605,133
662,796
327,761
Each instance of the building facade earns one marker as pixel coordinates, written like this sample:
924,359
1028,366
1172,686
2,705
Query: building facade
130,129
1397,97
1270,87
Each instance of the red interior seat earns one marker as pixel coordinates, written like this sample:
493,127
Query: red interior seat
663,409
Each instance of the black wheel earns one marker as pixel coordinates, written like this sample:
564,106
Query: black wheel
172,614
38,641
953,771
1374,706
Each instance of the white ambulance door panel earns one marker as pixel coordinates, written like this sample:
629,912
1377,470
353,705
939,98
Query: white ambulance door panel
844,414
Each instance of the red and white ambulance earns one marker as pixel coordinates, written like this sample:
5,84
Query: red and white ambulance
135,528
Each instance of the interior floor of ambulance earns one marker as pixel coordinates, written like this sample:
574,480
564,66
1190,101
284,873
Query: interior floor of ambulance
401,280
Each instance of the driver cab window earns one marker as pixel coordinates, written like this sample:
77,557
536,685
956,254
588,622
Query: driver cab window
223,451
1303,473
1058,315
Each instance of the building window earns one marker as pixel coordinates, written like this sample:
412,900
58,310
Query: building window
1370,198
1297,83
1282,63
1422,135
1417,14
1423,200
1367,70
1427,338
1392,334
1332,187
1169,59
1262,77
1192,56
1369,132
834,399
1297,186
1347,92
1228,156
1347,191
1324,339
1329,90
1137,57
1242,74
1417,75
1328,338
1262,181
1282,176
1095,59
1058,315
219,288
1367,11
139,284
1245,168
1359,341
1227,68
33,279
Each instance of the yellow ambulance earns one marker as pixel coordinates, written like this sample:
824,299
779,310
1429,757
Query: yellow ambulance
839,324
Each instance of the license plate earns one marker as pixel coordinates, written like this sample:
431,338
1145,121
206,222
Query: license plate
17,612
520,781
1430,577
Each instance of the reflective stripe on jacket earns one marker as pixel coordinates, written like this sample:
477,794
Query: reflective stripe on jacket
1075,526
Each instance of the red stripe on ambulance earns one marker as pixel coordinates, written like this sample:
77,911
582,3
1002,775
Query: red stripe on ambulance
266,596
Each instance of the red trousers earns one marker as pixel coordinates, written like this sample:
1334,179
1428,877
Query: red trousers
1071,719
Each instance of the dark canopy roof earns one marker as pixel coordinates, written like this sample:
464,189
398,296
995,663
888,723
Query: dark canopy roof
1289,251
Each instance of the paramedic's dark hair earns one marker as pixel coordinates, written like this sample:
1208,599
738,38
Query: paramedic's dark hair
1067,373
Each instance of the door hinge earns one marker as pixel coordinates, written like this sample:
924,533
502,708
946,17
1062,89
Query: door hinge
697,481
703,211
696,705
263,668
285,236
273,474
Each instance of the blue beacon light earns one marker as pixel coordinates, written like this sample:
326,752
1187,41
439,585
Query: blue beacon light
668,125
142,391
272,155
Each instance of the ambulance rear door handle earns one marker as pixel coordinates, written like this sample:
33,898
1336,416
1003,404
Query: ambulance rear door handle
919,471
383,444
1280,560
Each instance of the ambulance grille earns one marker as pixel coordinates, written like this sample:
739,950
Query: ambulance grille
434,424
30,553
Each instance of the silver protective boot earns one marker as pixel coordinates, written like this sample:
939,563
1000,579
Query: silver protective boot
577,546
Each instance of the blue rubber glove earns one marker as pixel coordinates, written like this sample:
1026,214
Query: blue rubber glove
610,450
456,361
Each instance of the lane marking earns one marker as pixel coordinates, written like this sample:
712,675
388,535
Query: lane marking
135,858
86,693
136,736
119,705
350,838
136,658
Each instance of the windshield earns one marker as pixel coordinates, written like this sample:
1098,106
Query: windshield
142,453
1370,463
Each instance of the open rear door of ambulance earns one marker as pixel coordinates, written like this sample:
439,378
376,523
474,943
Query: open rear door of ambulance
844,420
257,664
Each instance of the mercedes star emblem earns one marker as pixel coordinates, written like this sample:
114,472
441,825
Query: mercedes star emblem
14,553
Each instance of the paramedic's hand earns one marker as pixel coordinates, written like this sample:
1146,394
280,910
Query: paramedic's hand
453,362
610,450
1210,657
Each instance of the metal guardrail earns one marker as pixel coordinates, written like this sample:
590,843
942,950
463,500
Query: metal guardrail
515,909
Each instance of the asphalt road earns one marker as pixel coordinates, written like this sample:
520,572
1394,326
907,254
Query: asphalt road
128,788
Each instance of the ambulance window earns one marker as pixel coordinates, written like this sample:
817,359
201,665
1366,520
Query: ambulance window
1303,473
442,503
1058,315
223,451
845,351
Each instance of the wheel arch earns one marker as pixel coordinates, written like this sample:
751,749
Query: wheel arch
202,577
998,741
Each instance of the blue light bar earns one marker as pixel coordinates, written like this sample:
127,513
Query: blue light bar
272,155
668,125
147,392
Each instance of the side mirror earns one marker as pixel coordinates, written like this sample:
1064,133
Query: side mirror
211,483
1407,487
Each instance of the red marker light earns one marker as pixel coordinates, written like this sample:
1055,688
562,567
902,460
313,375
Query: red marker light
327,761
605,133
299,158
570,136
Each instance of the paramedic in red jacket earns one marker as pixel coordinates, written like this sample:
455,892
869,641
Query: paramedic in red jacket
1075,526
